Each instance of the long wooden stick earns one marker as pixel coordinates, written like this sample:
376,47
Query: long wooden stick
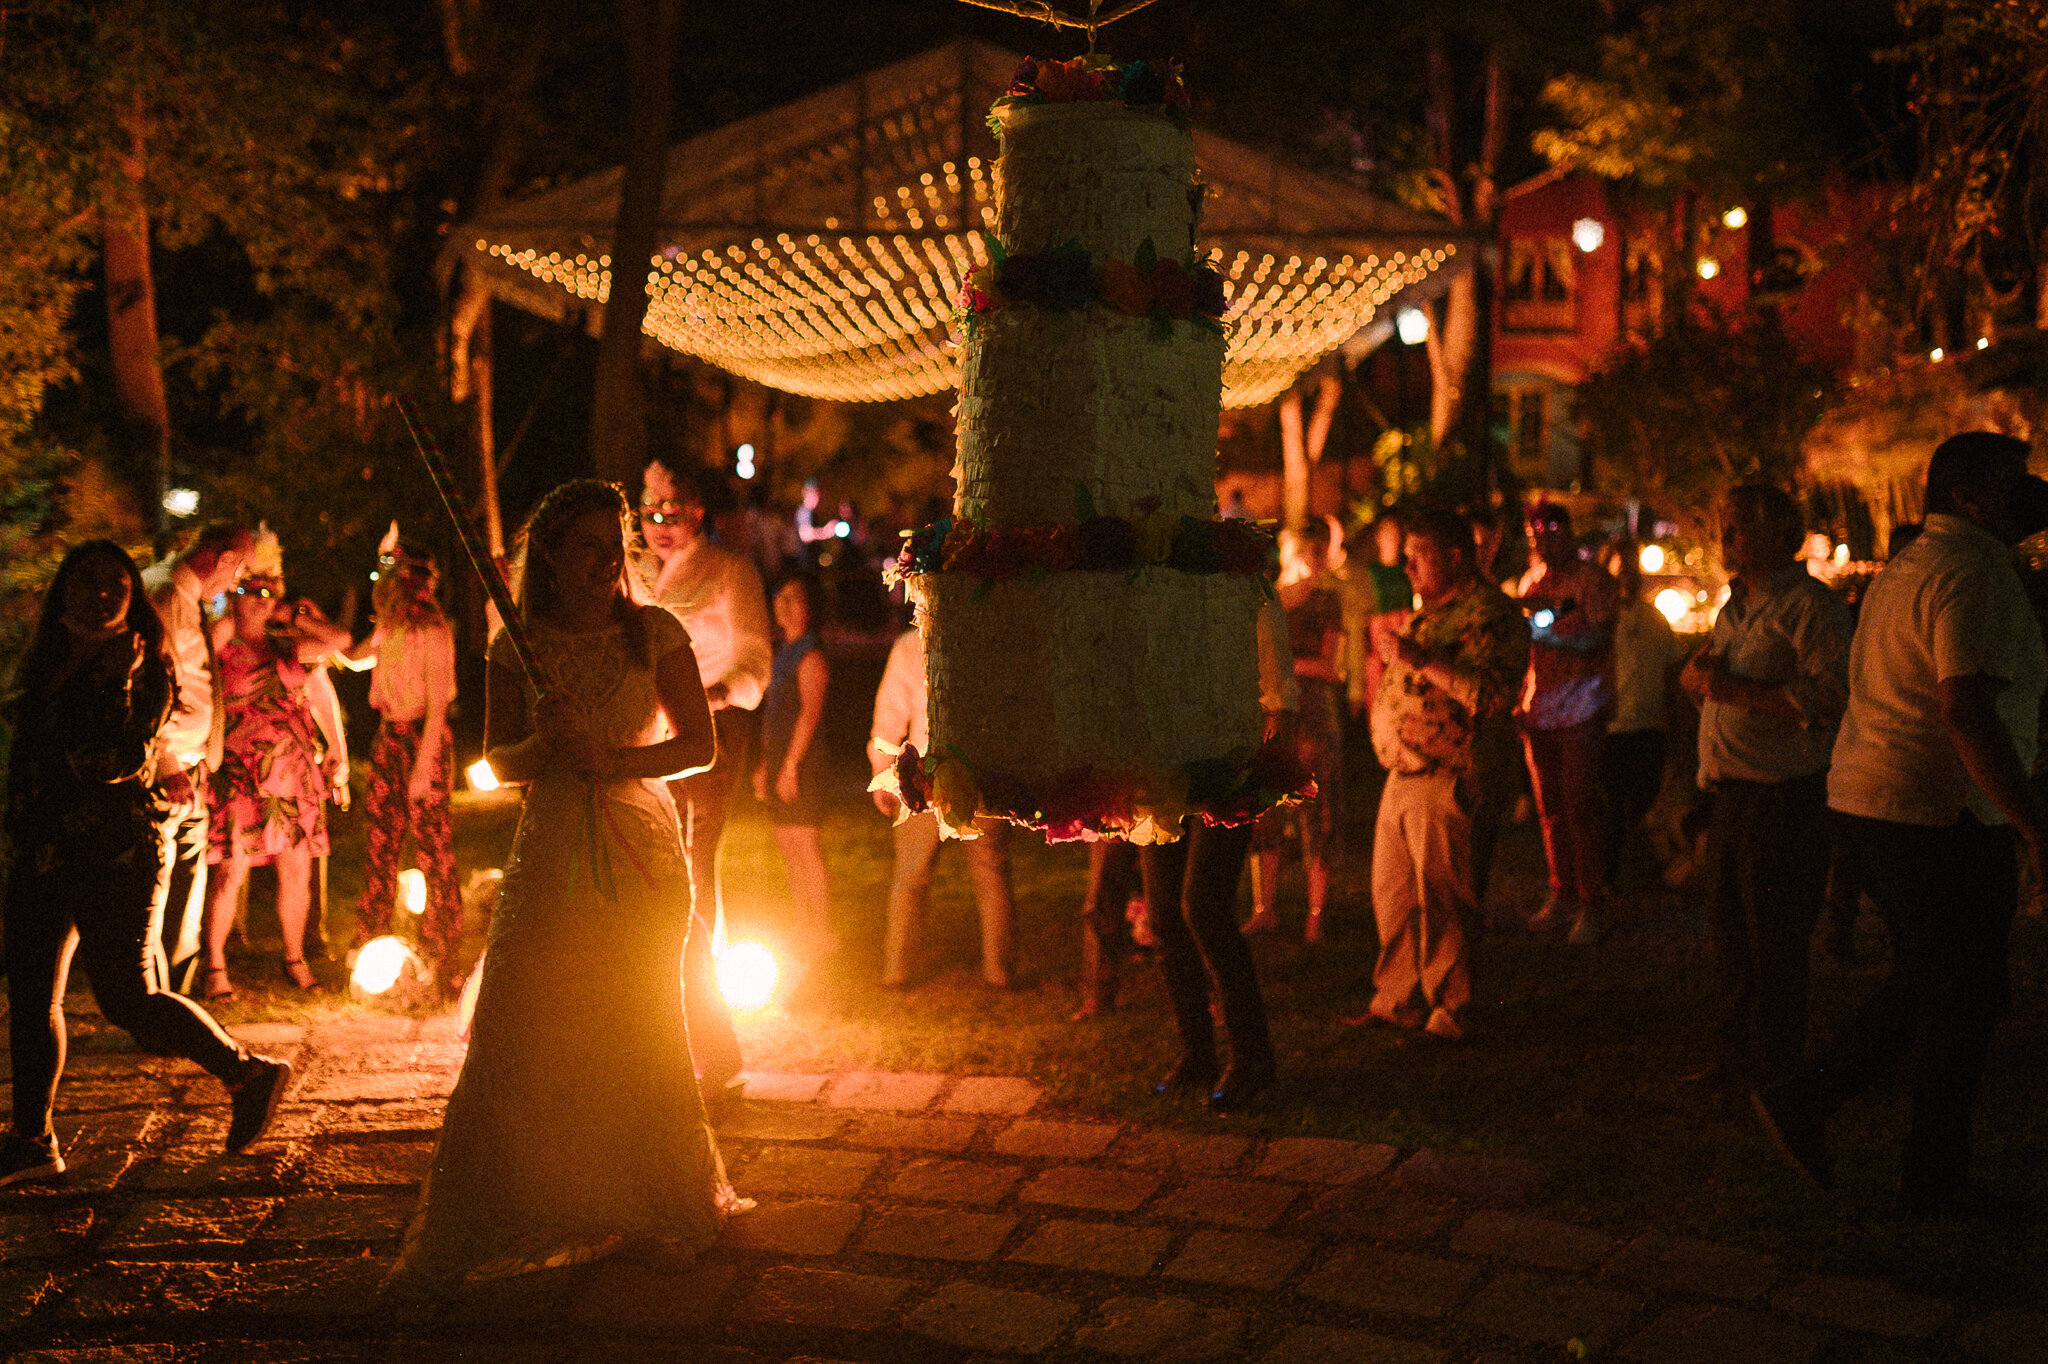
472,537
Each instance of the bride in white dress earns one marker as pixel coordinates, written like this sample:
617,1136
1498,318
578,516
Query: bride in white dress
576,1128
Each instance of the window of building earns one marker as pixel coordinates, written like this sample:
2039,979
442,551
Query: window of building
1642,284
1523,409
1539,288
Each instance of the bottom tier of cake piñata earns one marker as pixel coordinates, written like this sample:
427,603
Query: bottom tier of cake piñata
1086,703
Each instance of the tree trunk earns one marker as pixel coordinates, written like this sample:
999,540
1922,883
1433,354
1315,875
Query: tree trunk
1461,350
1302,444
469,327
618,436
132,341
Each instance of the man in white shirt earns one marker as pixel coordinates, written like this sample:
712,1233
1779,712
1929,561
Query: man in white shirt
717,595
1771,685
1945,683
189,746
900,719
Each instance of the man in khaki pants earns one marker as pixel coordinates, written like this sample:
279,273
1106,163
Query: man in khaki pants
1451,664
899,719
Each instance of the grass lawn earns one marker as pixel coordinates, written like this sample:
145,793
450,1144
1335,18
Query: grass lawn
1573,1057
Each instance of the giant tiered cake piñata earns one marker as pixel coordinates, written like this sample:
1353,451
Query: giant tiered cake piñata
1089,623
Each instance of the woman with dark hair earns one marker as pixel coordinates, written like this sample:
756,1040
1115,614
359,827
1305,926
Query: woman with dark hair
791,770
577,1128
270,795
90,695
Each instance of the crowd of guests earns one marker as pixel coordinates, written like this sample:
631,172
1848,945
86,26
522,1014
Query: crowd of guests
159,756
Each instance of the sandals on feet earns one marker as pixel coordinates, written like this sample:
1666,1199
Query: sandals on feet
215,987
301,975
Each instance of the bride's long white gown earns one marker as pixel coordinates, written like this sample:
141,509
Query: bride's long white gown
576,1127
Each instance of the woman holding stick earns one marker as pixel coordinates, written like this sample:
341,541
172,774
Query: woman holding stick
576,1128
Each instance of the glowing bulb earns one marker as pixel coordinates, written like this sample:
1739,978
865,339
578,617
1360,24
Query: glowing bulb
1735,217
841,529
1672,604
1588,234
412,890
1841,554
181,501
379,964
1983,343
1413,326
1652,558
1709,267
1935,354
1544,619
744,454
746,975
481,778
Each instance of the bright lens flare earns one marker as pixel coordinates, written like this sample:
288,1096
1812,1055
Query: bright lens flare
481,778
1652,558
746,975
412,890
1672,604
379,965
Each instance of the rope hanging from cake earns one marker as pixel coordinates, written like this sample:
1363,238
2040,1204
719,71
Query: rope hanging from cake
1043,12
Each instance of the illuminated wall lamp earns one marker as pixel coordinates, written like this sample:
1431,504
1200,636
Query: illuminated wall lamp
1588,234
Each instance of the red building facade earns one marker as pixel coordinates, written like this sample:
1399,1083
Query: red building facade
1577,279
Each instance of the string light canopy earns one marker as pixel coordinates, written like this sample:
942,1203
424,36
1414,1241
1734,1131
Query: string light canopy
820,247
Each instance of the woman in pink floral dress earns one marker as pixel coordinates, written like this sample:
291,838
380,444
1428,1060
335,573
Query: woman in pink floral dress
269,797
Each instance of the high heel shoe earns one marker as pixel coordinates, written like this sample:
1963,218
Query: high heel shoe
301,975
215,987
1262,921
1313,933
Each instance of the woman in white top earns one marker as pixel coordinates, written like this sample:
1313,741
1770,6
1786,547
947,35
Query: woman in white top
411,763
576,1128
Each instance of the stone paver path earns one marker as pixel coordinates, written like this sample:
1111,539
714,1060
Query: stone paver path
903,1218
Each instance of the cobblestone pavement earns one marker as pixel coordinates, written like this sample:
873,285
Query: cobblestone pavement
902,1218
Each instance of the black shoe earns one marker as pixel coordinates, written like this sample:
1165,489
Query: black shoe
1189,1077
25,1158
1242,1087
1798,1131
256,1099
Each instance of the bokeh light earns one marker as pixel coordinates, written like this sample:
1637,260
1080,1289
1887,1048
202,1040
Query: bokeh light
746,975
379,965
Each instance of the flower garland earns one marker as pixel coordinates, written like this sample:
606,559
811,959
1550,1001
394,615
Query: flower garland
1096,78
1067,278
1143,806
1099,544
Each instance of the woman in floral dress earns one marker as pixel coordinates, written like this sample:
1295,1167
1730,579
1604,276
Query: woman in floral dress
269,797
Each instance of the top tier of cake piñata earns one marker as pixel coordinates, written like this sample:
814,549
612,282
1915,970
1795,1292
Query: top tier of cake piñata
1089,623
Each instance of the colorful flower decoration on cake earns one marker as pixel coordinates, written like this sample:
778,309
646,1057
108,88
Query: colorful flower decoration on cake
1096,78
1149,805
1100,544
1066,278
